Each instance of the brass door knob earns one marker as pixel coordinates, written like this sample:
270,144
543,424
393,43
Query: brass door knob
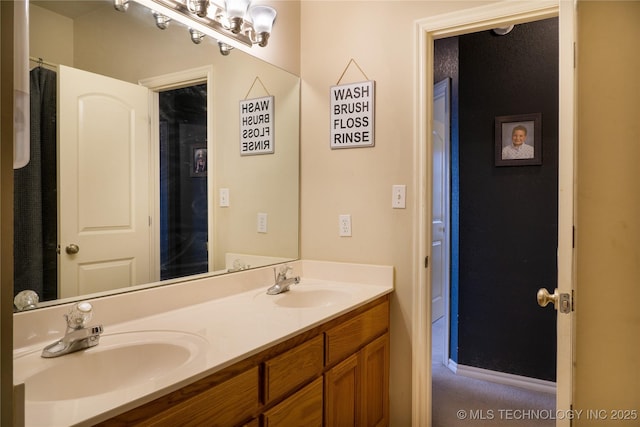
72,249
545,298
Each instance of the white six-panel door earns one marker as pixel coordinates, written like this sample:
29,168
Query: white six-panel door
440,201
103,187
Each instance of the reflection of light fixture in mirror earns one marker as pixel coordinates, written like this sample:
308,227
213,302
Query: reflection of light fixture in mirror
225,49
121,5
162,21
196,36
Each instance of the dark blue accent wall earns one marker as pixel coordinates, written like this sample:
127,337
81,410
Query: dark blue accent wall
506,242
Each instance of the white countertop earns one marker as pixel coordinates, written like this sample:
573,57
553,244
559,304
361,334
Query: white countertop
227,328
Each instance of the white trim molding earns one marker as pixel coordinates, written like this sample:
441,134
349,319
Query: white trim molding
528,383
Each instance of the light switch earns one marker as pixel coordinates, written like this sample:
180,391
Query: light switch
399,194
224,197
262,222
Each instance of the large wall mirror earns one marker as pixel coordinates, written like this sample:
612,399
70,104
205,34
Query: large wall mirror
165,194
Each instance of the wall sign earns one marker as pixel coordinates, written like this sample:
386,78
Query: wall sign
352,115
256,126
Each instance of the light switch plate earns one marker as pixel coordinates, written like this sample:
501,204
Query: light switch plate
399,197
223,197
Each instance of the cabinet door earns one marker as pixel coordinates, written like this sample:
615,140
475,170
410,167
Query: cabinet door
342,394
375,383
293,368
303,409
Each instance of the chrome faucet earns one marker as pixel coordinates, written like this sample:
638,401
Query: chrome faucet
282,281
77,336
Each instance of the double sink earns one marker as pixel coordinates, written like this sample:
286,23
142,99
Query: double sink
134,363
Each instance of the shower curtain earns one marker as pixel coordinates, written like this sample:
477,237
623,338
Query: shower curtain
35,200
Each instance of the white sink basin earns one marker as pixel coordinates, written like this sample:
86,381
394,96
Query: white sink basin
308,296
120,361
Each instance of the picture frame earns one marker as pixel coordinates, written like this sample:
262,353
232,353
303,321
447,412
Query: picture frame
518,140
198,161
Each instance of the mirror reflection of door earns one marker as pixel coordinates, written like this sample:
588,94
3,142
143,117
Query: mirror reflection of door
103,186
184,164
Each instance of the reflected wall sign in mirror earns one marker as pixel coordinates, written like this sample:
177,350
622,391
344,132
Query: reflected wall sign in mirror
128,160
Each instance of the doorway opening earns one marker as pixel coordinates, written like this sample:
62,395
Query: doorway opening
505,218
463,22
184,167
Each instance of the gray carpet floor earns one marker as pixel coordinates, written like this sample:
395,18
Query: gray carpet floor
463,401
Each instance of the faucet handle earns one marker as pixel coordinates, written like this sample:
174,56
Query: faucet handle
281,271
26,300
79,315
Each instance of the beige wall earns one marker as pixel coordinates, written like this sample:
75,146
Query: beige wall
608,209
379,36
54,43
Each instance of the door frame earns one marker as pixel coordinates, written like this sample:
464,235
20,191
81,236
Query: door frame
155,85
453,24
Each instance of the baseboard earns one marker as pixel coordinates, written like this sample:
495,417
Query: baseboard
503,378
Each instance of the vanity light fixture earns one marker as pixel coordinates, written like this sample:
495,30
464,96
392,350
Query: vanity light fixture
198,7
162,21
263,18
236,19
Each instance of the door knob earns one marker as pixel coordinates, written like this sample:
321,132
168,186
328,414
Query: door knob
561,302
545,298
72,249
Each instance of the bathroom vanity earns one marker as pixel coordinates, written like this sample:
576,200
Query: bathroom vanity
318,354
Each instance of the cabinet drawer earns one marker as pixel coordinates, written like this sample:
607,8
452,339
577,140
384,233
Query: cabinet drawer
230,403
302,409
293,368
347,338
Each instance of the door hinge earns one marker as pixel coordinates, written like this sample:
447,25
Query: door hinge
426,262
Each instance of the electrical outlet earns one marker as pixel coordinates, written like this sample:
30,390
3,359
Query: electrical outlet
262,223
398,196
223,197
344,223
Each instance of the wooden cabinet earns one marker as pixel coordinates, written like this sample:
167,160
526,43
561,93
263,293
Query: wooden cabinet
341,396
374,391
303,409
335,374
357,389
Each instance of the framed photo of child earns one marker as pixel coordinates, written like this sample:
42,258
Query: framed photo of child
518,140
